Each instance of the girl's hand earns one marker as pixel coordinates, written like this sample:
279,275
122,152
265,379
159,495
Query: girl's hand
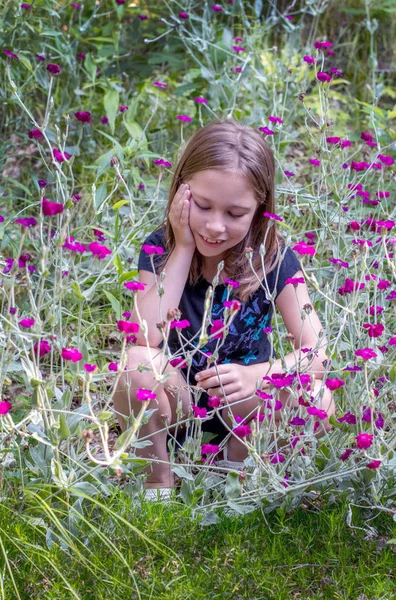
233,378
179,217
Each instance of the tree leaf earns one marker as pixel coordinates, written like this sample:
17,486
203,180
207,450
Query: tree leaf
111,103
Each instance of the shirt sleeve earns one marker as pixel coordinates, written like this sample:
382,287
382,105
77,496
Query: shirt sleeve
288,267
156,238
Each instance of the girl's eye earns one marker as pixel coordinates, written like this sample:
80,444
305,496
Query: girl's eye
233,216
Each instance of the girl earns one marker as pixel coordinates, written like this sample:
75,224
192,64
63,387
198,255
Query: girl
221,208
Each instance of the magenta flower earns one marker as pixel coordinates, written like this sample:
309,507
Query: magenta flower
104,119
214,402
294,280
183,15
333,140
387,160
198,411
120,2
366,353
42,183
276,458
364,440
99,250
159,84
81,55
309,59
25,5
323,77
303,248
317,412
217,8
345,143
180,324
297,422
123,108
162,163
54,69
40,57
51,208
35,134
59,157
127,327
42,347
27,221
334,384
90,368
5,407
289,173
143,394
75,5
142,17
71,354
84,116
237,69
28,323
322,45
238,48
345,455
148,249
267,130
242,431
113,367
70,244
184,118
210,449
10,54
275,119
76,197
200,100
336,72
314,161
272,216
375,330
374,464
134,285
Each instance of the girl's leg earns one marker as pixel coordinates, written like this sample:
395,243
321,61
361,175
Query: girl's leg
125,401
237,450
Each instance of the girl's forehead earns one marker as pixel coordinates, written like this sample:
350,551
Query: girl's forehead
211,183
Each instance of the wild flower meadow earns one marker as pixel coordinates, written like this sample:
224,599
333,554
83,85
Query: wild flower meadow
96,100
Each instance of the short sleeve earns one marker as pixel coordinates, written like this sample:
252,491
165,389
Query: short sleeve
287,268
156,238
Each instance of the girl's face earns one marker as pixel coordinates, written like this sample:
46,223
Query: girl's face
222,208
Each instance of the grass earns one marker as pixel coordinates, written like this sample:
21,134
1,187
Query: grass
306,553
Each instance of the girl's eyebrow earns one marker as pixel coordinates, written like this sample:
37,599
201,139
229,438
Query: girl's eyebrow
230,206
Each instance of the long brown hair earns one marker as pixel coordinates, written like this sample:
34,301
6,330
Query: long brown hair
231,146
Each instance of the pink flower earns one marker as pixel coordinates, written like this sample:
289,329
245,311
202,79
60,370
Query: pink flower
217,326
317,412
334,384
71,354
83,116
333,140
366,353
142,17
303,248
123,108
277,458
113,367
345,143
25,5
210,449
275,119
184,118
214,402
90,368
27,221
217,8
134,285
28,323
81,55
152,249
127,326
267,130
297,422
364,440
143,394
387,160
199,412
42,183
309,59
162,163
345,455
183,15
375,330
104,119
295,280
70,244
35,134
322,45
242,431
59,157
289,173
323,77
53,69
314,161
51,208
374,464
43,347
99,250
159,84
5,407
10,54
272,216
200,100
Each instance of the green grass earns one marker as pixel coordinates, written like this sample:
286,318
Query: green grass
309,552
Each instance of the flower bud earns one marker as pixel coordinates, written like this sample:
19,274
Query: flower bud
114,161
87,434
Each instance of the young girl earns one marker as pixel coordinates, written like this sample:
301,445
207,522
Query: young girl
221,208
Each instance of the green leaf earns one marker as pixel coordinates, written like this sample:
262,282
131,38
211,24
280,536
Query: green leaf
127,276
114,303
118,204
83,488
111,104
100,196
77,291
182,473
64,431
233,486
18,184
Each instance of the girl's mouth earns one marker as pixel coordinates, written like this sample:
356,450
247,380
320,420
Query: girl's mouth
212,244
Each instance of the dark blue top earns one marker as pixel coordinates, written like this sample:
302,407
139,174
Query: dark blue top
245,343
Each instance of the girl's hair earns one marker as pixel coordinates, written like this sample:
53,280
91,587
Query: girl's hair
228,145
